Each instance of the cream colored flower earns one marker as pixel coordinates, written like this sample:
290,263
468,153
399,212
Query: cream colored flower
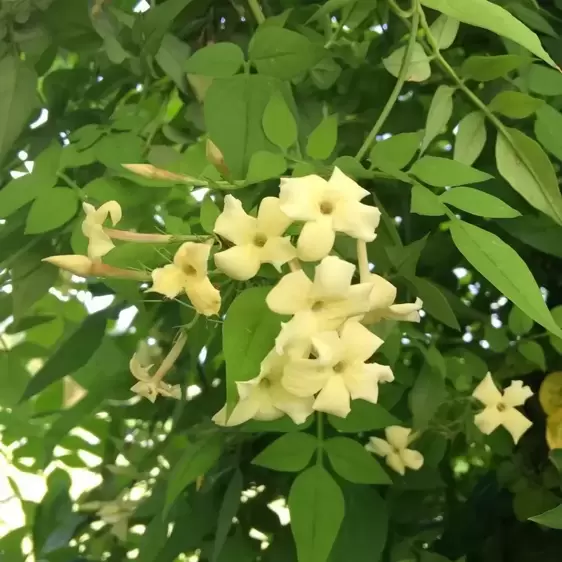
327,207
151,386
257,240
340,372
114,513
395,449
500,408
264,398
188,273
99,243
381,305
320,305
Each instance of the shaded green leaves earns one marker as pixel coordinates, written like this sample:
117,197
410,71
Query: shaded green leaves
352,462
501,265
526,167
219,60
290,453
478,203
442,172
278,122
551,518
548,129
485,14
471,138
53,208
209,214
322,141
265,165
485,68
395,152
533,352
426,396
444,30
543,81
74,352
440,112
519,323
364,416
515,105
418,69
249,333
317,509
228,510
434,301
425,202
282,53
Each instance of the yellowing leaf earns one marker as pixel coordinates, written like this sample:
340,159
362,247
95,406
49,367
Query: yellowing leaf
418,69
440,112
471,138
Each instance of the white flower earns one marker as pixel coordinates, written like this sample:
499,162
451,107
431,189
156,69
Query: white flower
149,386
257,240
395,449
188,273
318,306
327,207
99,243
381,305
264,398
340,372
500,408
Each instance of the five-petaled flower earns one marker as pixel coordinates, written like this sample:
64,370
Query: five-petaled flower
327,207
500,408
150,386
395,449
99,242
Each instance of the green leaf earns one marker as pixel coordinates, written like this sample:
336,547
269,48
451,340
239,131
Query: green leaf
543,81
539,232
532,176
418,69
278,122
196,460
478,203
497,338
227,512
425,202
440,112
329,7
317,509
395,152
551,518
171,57
352,462
519,323
486,68
71,354
289,453
548,130
322,141
282,53
426,396
19,192
515,105
485,14
501,265
264,166
533,352
444,30
219,60
364,416
248,333
52,209
209,214
18,98
442,172
13,378
533,19
233,110
435,302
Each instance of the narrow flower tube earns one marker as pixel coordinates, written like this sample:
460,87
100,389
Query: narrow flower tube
85,267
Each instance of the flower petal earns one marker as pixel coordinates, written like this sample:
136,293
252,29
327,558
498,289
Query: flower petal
487,392
234,223
488,420
272,365
412,459
146,390
515,422
300,198
192,257
332,278
99,243
328,347
168,280
407,312
347,186
358,342
398,436
111,208
294,339
333,398
243,411
362,380
203,296
271,219
296,407
138,370
305,377
169,390
278,251
316,239
383,292
355,304
394,461
516,394
291,294
239,262
356,220
378,446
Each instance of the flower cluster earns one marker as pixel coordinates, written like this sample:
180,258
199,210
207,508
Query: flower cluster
320,361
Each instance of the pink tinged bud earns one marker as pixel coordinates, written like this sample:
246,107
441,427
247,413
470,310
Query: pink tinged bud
79,265
152,172
140,237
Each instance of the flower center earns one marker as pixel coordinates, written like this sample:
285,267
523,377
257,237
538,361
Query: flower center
326,208
189,270
266,383
501,407
339,367
316,306
260,240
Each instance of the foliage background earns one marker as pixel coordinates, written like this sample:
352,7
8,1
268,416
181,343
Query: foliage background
87,87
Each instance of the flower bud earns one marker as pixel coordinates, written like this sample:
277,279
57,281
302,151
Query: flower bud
216,158
79,265
152,172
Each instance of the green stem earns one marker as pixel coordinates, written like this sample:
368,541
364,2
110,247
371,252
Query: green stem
256,10
72,184
387,220
320,437
402,75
